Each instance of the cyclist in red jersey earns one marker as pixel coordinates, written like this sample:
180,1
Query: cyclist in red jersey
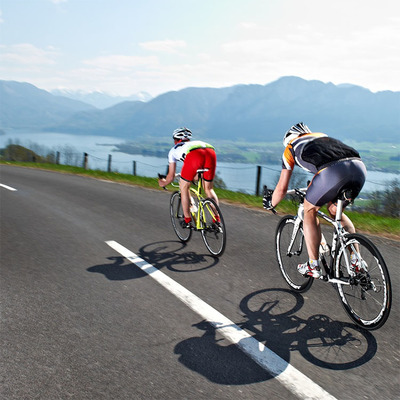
195,155
335,166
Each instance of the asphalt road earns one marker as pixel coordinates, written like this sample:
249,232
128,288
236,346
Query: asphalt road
80,321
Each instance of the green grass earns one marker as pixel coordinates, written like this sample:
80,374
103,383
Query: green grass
365,222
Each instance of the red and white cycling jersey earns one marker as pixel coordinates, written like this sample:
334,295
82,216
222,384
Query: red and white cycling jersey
181,149
195,155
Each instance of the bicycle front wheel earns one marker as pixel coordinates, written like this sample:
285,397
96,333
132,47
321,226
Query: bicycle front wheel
177,218
213,232
290,252
368,298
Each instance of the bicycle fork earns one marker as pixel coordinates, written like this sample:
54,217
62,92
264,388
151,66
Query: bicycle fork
297,226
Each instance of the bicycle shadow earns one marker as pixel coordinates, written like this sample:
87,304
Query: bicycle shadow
270,315
167,254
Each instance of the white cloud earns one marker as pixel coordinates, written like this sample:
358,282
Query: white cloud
117,74
1,17
121,62
257,50
365,56
164,46
27,54
249,25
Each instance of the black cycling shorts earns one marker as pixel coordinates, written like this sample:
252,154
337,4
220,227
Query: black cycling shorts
330,181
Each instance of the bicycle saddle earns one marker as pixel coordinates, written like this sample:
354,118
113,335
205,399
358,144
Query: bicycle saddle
346,194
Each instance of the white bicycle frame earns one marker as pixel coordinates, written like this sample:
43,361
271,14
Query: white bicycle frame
338,235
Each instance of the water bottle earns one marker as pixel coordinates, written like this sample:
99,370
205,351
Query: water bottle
323,247
300,212
193,206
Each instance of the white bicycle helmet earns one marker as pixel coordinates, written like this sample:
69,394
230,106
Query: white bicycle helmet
294,132
182,134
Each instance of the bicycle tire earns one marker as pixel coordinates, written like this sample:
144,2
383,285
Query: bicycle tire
176,213
288,261
335,345
368,299
213,234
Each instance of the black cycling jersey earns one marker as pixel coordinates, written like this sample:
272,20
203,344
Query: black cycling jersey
313,151
335,165
325,150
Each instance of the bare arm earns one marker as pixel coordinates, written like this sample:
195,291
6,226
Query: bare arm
281,187
170,177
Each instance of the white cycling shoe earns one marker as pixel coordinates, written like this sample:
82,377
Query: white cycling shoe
359,267
306,270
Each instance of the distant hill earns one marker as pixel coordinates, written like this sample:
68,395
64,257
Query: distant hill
100,99
23,105
250,112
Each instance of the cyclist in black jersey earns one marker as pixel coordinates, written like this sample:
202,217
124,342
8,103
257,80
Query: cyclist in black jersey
335,166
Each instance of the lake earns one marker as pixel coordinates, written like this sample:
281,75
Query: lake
237,176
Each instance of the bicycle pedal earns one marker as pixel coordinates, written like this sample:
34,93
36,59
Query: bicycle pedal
186,225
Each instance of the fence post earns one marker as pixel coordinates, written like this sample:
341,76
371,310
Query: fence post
109,163
134,168
85,160
258,180
58,157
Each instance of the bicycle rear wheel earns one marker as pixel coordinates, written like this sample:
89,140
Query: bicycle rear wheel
368,299
291,251
177,218
213,232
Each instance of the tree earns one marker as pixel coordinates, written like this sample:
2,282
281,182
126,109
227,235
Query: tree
15,152
391,199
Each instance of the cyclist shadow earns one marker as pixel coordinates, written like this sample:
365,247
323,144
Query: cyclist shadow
270,315
217,359
172,255
165,254
118,270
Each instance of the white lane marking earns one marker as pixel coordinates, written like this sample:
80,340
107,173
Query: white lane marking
295,381
8,187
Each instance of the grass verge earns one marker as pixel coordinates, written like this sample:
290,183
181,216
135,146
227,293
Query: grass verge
365,222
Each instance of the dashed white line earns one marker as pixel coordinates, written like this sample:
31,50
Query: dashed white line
295,381
8,187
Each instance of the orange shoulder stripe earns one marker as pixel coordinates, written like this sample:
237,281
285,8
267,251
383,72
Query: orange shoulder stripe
288,158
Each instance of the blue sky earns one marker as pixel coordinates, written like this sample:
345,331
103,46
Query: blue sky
127,46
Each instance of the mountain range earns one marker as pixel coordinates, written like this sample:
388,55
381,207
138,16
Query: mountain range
241,112
100,99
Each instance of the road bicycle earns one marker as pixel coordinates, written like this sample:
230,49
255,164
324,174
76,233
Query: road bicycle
352,263
205,214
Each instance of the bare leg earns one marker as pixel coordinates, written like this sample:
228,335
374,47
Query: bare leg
185,197
346,221
312,230
208,188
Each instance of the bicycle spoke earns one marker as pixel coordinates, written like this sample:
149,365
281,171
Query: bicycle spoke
289,251
368,299
213,231
177,217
